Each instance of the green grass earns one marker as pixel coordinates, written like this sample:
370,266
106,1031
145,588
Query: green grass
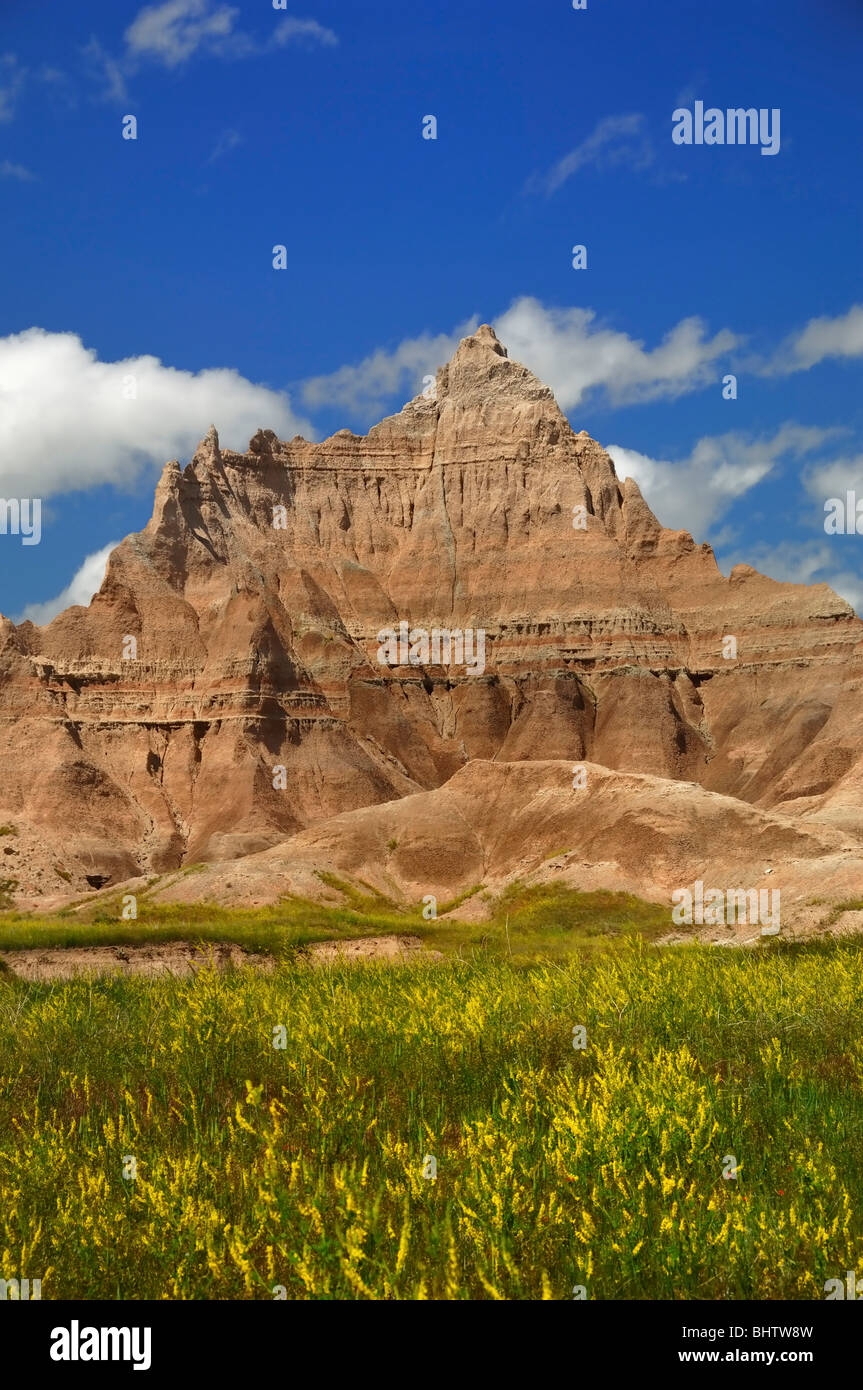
556,1167
526,924
452,903
549,913
280,929
358,901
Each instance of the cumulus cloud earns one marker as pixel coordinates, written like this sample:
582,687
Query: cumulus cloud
693,492
567,348
614,141
67,423
574,353
820,339
86,582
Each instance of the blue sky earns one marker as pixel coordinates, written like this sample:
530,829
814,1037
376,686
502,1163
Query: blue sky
151,259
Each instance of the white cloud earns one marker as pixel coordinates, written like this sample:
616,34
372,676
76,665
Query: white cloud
574,354
693,492
86,582
566,348
227,141
288,30
175,31
366,387
172,32
15,171
821,338
106,72
65,422
614,140
12,80
836,478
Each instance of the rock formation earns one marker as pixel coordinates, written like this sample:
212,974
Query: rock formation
256,596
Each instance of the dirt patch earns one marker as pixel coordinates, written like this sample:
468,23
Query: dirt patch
399,949
168,958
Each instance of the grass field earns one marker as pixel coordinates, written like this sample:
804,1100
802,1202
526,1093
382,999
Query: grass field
308,1169
525,923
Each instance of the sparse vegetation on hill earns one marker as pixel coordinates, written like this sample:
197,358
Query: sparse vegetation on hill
7,888
526,923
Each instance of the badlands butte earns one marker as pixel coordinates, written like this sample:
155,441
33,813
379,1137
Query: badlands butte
256,595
